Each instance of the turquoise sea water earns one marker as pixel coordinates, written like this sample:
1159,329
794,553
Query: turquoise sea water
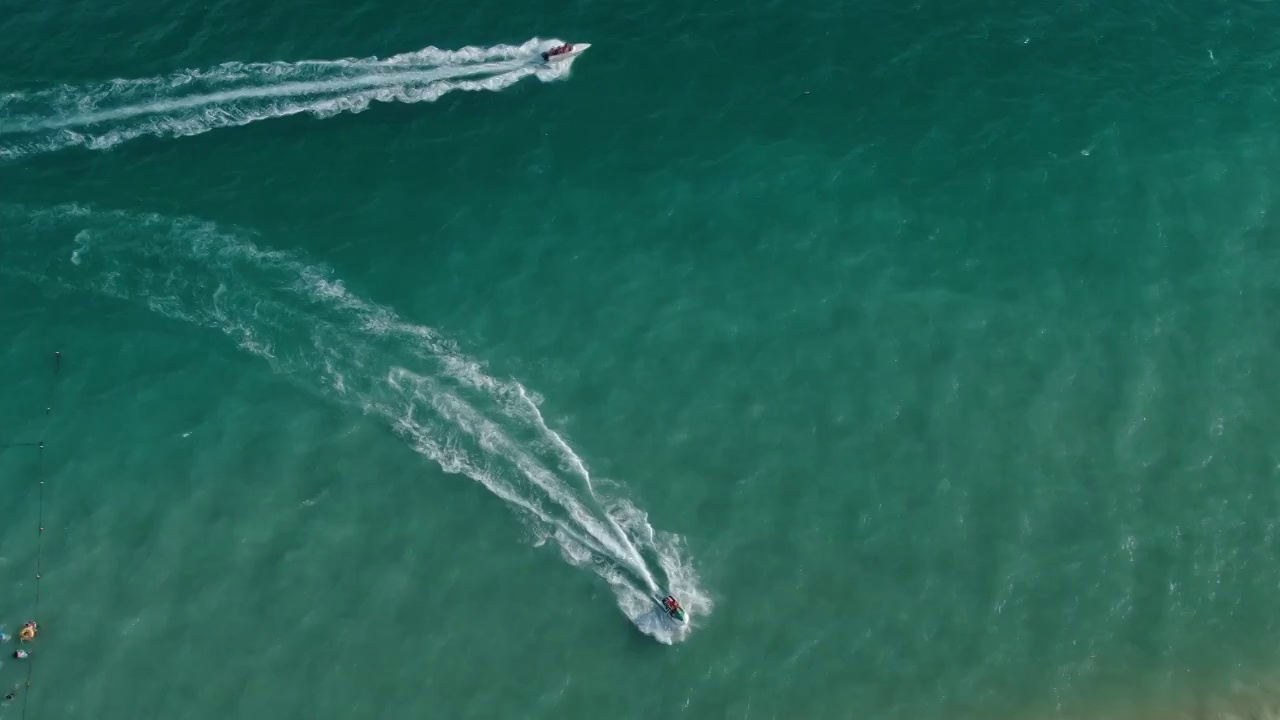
926,351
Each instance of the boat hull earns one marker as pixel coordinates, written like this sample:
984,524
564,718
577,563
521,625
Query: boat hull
577,50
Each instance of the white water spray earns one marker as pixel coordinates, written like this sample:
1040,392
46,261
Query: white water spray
313,330
190,102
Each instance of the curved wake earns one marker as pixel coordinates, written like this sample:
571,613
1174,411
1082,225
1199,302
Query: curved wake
308,326
190,102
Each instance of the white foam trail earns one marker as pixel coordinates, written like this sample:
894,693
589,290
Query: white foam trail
312,329
450,462
573,460
190,102
576,464
294,89
581,530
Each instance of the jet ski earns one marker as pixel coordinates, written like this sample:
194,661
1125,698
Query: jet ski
671,607
564,52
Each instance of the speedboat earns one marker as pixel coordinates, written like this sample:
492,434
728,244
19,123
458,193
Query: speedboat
564,52
672,609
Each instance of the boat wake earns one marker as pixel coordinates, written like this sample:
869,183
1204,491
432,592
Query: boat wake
190,102
311,329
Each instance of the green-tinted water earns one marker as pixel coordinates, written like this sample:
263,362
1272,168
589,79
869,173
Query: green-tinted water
926,352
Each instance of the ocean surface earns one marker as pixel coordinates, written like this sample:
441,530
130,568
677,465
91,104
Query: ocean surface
928,352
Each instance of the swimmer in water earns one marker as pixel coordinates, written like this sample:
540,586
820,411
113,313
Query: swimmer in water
21,654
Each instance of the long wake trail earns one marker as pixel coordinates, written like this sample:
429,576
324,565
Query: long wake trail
190,102
311,329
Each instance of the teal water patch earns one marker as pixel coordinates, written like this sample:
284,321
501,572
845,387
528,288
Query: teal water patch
938,335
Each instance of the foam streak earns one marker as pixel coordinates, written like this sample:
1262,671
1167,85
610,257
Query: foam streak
191,102
311,329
